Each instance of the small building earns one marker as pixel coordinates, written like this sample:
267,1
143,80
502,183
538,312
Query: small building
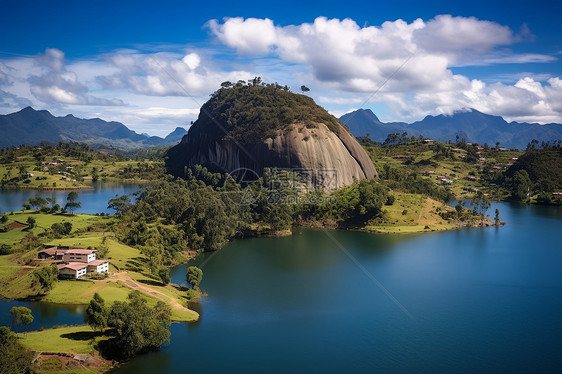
79,255
72,270
60,253
98,266
48,254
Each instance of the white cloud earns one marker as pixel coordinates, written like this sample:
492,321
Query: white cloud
406,66
249,35
58,85
165,74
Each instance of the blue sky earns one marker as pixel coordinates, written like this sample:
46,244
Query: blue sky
151,65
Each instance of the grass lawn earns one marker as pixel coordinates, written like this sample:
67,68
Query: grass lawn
73,339
44,223
81,291
412,213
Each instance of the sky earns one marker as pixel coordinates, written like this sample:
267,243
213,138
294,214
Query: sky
151,65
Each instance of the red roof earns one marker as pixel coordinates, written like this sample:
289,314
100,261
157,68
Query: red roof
96,262
73,266
50,251
80,251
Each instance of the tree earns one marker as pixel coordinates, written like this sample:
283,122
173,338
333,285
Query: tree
304,89
14,357
96,313
164,275
278,216
21,315
46,277
497,217
71,202
37,202
138,327
31,222
121,204
194,276
521,185
61,228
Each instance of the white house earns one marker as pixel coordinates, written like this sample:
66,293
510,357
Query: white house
79,255
98,266
72,270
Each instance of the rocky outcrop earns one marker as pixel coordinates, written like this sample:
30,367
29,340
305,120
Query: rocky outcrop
325,158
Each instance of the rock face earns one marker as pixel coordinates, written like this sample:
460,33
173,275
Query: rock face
326,154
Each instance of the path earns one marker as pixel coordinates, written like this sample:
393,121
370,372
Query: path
129,282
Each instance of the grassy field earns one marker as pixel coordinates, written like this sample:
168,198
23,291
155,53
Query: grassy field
44,222
82,291
73,339
412,213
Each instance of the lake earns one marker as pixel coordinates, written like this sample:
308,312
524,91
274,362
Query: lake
93,200
473,300
476,300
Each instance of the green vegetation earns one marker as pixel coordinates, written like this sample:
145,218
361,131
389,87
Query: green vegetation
138,327
194,275
21,315
14,357
45,277
536,175
96,313
253,112
73,339
73,166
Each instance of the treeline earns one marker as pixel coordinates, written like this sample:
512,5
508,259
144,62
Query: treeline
173,215
48,152
537,172
207,210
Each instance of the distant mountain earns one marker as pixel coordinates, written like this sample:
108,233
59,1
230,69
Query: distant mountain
175,136
472,125
31,127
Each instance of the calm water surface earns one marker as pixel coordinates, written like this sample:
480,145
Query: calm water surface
93,200
480,300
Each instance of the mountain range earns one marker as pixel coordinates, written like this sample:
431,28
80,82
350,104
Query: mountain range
32,127
469,124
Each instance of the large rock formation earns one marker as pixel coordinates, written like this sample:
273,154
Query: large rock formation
254,127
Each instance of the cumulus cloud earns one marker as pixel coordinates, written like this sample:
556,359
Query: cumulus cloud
164,74
408,65
58,85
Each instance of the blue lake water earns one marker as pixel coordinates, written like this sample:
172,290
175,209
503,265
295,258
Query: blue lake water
93,200
463,301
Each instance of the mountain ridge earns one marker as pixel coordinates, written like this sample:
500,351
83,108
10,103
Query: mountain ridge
32,127
470,124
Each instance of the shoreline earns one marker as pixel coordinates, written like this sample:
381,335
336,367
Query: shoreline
16,188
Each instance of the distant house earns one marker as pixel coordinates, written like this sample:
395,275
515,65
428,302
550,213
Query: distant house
79,255
48,254
79,262
98,266
72,270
